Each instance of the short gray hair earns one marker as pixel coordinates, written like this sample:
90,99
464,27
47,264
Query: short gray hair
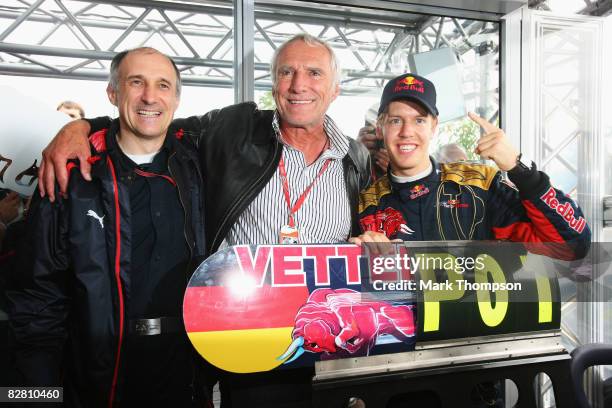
450,153
113,80
72,105
313,42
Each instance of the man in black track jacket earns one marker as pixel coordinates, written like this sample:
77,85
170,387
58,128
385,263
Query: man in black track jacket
421,200
97,303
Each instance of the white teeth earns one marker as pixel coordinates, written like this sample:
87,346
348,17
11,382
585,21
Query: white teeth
407,148
148,113
299,102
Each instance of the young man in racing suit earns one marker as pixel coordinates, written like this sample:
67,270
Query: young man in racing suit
421,200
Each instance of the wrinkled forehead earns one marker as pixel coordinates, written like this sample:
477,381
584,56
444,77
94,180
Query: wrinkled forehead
301,53
149,63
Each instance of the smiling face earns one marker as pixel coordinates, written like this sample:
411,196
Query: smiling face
407,129
305,84
145,94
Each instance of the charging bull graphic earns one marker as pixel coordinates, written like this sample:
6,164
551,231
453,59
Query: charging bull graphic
338,323
389,221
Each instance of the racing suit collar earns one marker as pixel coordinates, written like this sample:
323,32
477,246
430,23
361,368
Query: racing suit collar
417,188
408,179
432,176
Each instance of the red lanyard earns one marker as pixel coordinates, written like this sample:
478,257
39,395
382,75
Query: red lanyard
300,201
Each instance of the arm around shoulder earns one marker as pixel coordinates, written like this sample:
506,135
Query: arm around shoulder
71,142
194,129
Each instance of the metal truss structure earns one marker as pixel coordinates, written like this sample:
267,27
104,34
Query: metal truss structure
591,7
77,40
566,54
563,84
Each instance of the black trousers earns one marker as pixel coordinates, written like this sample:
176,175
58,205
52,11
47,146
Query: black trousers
274,389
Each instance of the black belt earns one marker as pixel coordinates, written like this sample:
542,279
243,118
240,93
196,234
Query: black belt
155,326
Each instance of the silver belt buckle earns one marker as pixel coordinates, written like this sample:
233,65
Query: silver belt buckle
147,327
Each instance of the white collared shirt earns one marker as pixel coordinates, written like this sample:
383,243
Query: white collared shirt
325,216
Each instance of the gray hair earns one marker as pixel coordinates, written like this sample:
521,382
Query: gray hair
113,80
313,42
450,153
72,105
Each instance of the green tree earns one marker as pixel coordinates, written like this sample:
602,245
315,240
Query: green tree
266,101
464,132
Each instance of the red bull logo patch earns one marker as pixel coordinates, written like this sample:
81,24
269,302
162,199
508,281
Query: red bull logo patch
388,221
418,191
453,204
409,83
564,210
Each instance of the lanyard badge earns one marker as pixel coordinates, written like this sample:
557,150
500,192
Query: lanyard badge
289,233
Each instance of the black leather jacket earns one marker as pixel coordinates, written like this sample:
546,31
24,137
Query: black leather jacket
67,304
240,152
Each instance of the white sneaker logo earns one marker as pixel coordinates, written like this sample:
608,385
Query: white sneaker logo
92,214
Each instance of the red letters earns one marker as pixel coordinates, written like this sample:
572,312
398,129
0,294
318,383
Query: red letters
550,194
352,253
287,263
566,211
287,272
256,269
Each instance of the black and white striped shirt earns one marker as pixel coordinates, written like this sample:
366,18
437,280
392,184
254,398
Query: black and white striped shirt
325,216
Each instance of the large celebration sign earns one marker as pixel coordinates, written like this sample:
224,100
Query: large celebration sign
259,308
484,288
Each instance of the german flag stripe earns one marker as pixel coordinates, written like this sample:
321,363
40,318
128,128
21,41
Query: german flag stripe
243,351
219,308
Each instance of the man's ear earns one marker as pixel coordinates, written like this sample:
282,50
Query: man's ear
434,127
336,92
177,102
274,94
379,131
112,94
